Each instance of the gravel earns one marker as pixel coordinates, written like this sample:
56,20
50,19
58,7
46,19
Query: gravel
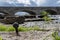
30,35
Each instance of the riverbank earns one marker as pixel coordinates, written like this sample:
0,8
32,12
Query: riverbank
30,35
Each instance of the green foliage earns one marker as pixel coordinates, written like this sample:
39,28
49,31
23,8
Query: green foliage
3,28
55,35
21,28
43,30
28,28
34,28
44,13
10,29
46,17
0,38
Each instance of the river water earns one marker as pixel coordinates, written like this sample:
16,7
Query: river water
41,24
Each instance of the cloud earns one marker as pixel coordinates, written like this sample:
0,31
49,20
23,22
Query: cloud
24,1
40,2
58,1
33,2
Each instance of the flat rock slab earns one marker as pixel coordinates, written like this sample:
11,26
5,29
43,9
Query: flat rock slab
31,35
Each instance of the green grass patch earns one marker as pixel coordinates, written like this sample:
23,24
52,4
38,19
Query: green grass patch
10,29
34,28
3,28
21,28
28,28
55,35
1,38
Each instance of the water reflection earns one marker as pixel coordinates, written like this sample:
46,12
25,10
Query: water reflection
21,14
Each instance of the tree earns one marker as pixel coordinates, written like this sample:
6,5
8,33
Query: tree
45,16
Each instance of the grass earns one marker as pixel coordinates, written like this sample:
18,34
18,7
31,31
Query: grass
10,29
55,35
1,38
21,28
3,28
28,28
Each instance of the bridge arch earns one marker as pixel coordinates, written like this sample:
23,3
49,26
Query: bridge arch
3,14
51,11
21,13
28,12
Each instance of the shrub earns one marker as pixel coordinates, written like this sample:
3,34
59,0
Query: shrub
45,16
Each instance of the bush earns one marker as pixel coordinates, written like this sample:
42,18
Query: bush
44,13
45,16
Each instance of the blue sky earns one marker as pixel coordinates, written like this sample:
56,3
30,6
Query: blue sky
21,13
28,3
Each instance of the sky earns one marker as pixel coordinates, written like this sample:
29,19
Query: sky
21,13
30,3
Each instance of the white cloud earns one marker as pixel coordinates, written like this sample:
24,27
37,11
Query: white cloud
58,1
10,1
24,1
31,2
40,2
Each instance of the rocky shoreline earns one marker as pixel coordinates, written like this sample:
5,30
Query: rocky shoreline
30,35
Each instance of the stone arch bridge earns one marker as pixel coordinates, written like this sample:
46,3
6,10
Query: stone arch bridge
10,11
